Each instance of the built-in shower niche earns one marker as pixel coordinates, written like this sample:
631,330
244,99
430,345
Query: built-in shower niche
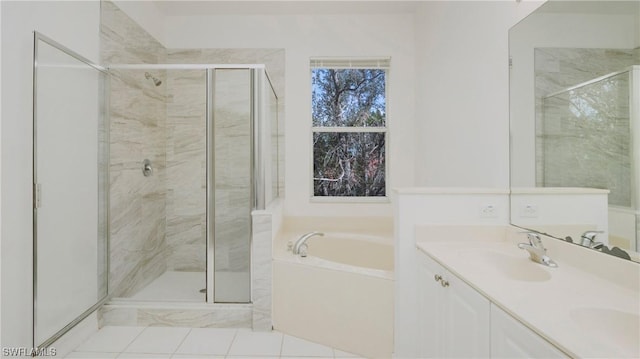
184,234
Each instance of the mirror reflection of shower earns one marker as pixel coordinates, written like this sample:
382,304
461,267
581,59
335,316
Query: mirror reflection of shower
156,81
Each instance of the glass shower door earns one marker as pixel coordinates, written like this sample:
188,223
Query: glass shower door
588,127
232,184
70,189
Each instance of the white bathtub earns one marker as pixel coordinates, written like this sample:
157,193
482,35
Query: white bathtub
340,295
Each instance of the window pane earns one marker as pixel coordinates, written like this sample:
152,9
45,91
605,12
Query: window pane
349,164
348,97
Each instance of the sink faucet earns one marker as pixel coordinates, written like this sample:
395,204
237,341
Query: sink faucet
300,247
537,252
588,239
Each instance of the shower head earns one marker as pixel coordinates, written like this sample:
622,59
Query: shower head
155,80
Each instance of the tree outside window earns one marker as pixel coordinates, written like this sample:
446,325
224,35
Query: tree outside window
349,132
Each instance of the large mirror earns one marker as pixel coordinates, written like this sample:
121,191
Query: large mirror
575,123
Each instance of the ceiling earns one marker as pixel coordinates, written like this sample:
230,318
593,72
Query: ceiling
252,7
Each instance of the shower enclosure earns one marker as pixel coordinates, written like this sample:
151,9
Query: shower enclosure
145,181
590,137
206,132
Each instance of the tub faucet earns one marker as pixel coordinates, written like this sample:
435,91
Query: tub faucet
588,239
537,252
300,247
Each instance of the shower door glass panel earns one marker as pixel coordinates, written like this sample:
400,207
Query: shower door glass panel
585,128
70,177
232,101
272,111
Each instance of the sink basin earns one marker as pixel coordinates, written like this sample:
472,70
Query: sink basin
514,268
617,328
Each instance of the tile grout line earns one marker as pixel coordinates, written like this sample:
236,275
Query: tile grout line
181,342
226,355
281,345
131,342
104,351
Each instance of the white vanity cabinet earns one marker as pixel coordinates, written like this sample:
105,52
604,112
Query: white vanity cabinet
454,319
512,339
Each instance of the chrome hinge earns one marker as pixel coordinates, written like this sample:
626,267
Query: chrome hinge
37,195
510,62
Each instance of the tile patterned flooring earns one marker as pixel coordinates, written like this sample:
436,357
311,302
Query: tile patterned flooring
198,343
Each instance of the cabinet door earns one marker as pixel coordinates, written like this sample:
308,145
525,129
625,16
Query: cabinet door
430,300
467,318
512,339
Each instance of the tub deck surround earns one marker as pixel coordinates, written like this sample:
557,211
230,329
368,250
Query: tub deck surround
587,307
262,270
326,252
338,300
374,226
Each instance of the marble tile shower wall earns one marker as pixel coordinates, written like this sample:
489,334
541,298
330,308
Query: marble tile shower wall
186,153
560,68
232,158
158,222
587,140
556,69
138,131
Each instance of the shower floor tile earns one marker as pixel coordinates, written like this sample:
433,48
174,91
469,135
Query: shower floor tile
174,286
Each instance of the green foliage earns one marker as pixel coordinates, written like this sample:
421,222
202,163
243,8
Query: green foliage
348,97
349,163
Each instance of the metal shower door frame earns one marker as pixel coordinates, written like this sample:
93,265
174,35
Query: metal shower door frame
37,37
258,71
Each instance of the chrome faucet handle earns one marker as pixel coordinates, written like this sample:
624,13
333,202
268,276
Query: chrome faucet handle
591,234
588,238
534,240
537,252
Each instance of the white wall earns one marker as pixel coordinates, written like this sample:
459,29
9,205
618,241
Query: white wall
76,25
462,93
1,179
455,133
561,211
303,37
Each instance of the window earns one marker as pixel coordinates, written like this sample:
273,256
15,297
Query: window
349,125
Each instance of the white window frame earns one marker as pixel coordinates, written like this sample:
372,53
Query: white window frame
382,63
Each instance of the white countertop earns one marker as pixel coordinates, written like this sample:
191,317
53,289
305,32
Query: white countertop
559,308
558,190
